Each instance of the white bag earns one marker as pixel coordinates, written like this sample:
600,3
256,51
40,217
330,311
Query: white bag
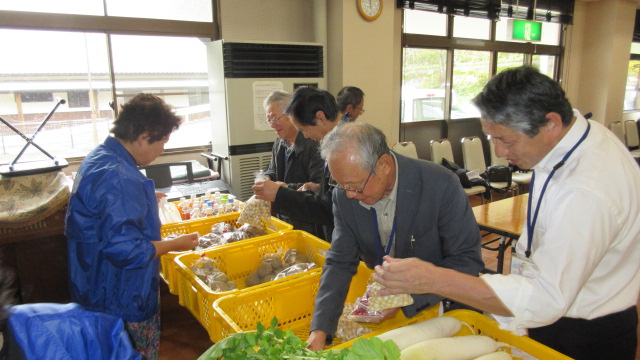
169,212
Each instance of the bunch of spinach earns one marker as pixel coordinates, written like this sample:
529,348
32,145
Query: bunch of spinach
275,344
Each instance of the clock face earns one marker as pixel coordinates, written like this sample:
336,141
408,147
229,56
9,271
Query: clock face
370,9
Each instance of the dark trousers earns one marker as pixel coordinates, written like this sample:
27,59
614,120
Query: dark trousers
612,336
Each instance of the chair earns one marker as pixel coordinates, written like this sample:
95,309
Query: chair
473,157
617,129
631,134
161,173
441,148
519,177
406,148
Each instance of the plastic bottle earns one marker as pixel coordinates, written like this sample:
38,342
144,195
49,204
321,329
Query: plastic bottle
208,211
196,213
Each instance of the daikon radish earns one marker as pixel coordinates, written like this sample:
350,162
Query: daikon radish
453,348
498,355
438,327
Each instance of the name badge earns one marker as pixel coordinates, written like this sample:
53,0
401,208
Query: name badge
522,265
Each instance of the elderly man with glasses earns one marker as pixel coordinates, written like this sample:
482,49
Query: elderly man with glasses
295,160
388,204
314,113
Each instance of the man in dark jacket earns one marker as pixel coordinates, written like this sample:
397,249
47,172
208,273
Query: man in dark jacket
314,113
295,159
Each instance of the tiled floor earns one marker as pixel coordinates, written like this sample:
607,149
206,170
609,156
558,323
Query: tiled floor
183,338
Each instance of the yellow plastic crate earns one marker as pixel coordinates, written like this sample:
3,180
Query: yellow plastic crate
203,226
482,325
292,303
238,261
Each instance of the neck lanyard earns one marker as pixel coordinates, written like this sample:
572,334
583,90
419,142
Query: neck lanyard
531,224
379,249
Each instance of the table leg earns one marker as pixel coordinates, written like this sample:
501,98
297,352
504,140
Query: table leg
501,249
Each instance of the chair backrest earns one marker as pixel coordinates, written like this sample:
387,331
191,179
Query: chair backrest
617,129
473,154
440,148
631,134
406,148
161,173
495,160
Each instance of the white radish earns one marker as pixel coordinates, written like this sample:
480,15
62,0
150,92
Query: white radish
453,348
498,355
438,327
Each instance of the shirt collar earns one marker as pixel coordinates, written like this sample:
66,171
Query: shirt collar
392,196
566,143
115,145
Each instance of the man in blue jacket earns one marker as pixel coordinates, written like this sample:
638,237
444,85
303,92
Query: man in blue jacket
113,226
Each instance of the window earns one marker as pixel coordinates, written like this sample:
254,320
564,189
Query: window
445,67
148,64
471,28
29,97
78,99
425,23
546,64
423,84
49,65
509,60
631,100
470,74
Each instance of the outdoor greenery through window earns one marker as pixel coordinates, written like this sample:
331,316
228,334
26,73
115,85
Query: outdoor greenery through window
464,60
631,99
47,67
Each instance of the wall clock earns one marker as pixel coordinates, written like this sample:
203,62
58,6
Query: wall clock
370,9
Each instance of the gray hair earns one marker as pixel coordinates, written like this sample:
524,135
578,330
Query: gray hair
520,98
280,97
367,142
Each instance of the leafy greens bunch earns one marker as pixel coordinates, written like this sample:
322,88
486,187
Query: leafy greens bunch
276,344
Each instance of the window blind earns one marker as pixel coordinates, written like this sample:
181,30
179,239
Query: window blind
557,11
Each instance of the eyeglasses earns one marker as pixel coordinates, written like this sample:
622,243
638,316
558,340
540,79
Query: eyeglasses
274,120
360,108
334,183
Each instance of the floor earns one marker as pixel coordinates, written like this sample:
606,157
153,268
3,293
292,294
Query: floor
183,338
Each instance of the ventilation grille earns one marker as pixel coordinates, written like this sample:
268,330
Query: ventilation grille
248,168
242,60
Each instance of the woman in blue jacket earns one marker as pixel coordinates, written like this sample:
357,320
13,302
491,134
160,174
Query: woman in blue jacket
113,226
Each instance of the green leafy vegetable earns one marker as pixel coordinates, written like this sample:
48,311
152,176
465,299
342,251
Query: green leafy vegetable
275,344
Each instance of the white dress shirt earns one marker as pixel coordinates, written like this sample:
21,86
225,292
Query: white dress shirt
586,244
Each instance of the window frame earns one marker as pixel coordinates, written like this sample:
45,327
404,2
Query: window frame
115,25
450,43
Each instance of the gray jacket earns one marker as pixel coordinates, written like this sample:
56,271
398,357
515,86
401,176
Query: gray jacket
431,207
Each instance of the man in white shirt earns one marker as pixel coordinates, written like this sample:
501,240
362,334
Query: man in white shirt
575,277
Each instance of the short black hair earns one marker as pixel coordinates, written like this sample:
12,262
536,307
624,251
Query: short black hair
349,95
145,113
306,101
520,98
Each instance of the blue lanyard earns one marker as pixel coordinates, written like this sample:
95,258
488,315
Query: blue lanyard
379,248
531,225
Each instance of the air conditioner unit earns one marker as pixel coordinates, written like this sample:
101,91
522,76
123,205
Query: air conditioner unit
241,76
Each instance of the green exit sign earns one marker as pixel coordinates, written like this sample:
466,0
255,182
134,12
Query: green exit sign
524,30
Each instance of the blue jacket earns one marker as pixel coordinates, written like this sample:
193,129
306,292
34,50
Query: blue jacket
67,331
111,220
